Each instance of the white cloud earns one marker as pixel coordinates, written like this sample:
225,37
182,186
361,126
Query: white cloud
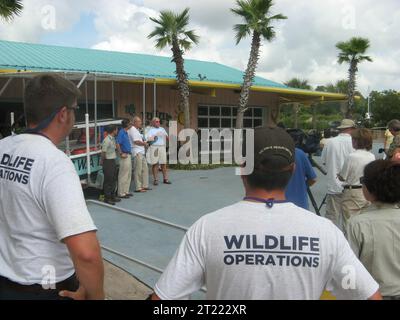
304,47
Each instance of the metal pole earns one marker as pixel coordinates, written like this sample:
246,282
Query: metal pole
133,259
87,146
147,265
140,215
95,111
23,93
86,98
12,118
144,99
113,98
82,80
5,86
155,99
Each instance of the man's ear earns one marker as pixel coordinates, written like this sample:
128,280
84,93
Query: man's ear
62,115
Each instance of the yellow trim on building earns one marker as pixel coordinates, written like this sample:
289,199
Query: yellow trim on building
289,95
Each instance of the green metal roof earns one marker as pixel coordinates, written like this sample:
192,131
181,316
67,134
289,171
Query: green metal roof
38,57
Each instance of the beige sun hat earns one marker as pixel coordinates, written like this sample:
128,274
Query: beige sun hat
347,123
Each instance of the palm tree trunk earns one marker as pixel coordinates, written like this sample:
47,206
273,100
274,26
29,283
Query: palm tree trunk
248,78
182,79
352,88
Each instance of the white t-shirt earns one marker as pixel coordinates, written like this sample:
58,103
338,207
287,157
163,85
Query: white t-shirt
160,133
135,135
333,156
41,203
353,168
247,251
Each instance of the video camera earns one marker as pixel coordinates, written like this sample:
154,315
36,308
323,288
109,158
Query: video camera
309,143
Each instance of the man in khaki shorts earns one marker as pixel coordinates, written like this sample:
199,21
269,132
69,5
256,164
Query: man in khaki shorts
157,153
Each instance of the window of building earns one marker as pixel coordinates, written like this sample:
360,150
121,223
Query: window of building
220,117
104,111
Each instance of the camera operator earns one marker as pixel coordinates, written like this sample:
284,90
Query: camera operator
304,175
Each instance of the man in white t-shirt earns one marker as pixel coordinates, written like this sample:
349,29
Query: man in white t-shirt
157,153
264,247
48,243
334,154
140,168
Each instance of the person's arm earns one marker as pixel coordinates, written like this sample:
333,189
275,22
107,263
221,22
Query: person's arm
324,154
311,182
64,204
104,147
140,143
311,176
376,296
346,169
85,253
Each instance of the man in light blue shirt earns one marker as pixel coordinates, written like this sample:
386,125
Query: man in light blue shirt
157,153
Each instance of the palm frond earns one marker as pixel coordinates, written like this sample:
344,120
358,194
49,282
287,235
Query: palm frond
257,17
182,19
192,36
278,17
185,44
242,30
161,43
10,8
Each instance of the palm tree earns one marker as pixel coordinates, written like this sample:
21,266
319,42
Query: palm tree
171,31
353,52
10,8
298,83
257,21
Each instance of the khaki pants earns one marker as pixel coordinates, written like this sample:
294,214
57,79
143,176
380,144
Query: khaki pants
334,209
353,202
140,172
124,175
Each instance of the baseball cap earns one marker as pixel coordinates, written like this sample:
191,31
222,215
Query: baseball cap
347,123
274,149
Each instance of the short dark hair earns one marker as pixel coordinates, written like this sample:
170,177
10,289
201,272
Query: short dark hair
363,138
394,125
382,179
110,128
45,93
264,178
125,123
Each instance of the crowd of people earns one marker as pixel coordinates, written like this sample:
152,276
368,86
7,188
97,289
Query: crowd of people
133,149
265,246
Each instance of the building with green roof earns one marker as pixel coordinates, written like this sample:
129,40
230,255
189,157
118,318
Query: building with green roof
118,84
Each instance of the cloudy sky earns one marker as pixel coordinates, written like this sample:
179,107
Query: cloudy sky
304,46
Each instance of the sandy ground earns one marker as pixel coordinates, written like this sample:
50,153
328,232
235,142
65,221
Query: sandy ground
120,285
